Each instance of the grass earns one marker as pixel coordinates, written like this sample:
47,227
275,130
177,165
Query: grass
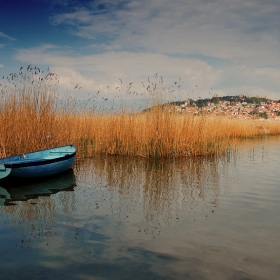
33,118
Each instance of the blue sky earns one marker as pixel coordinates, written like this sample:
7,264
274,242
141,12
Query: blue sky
218,47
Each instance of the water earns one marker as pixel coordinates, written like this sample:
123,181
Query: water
120,218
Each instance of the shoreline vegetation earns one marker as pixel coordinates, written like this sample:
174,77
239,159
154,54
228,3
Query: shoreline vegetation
33,117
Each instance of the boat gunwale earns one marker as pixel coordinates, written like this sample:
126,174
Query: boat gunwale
38,161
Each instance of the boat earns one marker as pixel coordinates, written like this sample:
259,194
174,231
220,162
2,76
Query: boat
38,164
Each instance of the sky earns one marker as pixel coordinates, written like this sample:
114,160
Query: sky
194,48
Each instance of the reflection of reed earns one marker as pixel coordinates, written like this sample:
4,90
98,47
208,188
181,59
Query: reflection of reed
256,148
163,188
32,208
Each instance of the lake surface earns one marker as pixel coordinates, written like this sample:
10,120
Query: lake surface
121,218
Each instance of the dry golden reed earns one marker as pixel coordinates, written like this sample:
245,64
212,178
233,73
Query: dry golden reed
33,118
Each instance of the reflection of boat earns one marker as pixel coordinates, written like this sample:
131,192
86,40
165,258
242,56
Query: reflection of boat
21,191
38,164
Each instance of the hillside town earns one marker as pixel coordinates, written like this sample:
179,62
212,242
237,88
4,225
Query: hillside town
231,106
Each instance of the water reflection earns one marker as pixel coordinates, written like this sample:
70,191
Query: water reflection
149,194
163,189
32,206
199,218
25,190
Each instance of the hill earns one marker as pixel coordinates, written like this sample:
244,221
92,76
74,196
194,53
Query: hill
239,106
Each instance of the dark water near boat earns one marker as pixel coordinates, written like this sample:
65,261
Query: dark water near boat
120,218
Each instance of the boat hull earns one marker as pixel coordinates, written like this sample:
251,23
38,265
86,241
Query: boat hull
38,164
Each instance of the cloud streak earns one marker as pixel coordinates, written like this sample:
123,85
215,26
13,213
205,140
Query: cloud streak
3,35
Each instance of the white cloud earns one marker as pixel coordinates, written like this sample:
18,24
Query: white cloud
270,74
198,79
227,29
69,78
97,72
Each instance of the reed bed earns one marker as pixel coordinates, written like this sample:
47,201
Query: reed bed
32,117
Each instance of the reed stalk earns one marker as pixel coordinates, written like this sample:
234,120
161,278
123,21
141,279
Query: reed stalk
33,118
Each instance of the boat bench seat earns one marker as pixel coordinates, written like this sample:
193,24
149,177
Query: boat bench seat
51,157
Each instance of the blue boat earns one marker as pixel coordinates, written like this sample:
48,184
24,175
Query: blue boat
38,164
